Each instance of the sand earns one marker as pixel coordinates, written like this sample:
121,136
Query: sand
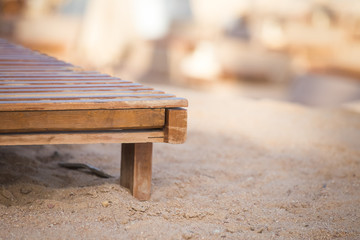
250,169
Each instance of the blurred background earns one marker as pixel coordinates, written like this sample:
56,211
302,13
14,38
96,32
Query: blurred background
303,51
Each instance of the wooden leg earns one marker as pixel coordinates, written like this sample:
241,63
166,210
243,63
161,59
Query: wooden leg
136,164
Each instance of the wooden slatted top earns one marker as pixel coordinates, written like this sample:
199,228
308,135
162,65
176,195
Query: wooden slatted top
32,81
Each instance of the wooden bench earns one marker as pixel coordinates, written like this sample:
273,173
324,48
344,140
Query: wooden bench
47,101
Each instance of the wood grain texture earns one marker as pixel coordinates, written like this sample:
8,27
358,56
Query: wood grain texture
81,120
136,169
23,70
65,91
175,125
133,136
124,103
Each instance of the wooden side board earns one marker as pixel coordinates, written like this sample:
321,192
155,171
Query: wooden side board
163,125
129,136
81,120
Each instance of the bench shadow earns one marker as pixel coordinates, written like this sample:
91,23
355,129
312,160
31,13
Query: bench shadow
35,168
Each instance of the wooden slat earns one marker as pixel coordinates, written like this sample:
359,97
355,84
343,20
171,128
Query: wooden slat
40,73
30,81
128,94
60,74
81,120
20,83
93,104
67,85
35,69
126,86
79,94
33,64
109,97
61,80
63,77
133,87
139,136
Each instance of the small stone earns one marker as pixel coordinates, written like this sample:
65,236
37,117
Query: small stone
92,193
259,228
105,203
187,236
25,190
191,214
104,190
231,228
124,221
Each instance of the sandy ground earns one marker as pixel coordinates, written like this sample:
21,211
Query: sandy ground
250,169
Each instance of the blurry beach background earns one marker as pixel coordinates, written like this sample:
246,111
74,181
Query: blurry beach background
303,51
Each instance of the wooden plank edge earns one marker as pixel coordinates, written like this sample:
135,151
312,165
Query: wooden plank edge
96,104
143,136
175,125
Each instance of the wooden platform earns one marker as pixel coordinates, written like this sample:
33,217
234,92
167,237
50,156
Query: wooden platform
47,101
